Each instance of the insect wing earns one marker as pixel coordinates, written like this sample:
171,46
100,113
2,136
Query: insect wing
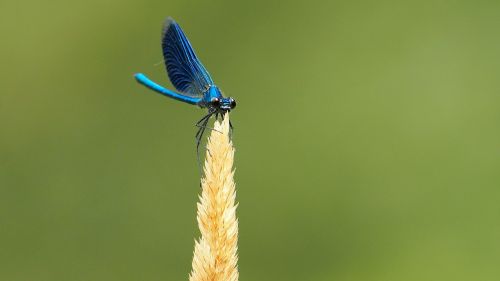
184,69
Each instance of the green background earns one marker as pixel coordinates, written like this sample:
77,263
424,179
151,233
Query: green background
367,137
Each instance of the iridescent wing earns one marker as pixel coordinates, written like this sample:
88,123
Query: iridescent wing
185,71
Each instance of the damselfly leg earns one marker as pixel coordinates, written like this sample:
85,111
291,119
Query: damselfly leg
202,126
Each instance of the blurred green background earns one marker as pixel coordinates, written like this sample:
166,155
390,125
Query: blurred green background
367,137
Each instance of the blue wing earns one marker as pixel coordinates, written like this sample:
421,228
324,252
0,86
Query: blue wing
185,71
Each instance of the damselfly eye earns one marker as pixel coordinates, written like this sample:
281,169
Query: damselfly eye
232,104
215,102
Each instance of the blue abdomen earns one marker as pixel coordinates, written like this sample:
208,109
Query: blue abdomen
144,80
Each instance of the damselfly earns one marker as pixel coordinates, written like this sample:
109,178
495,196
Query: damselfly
189,77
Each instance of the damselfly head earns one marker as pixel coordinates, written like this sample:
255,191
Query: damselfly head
223,104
